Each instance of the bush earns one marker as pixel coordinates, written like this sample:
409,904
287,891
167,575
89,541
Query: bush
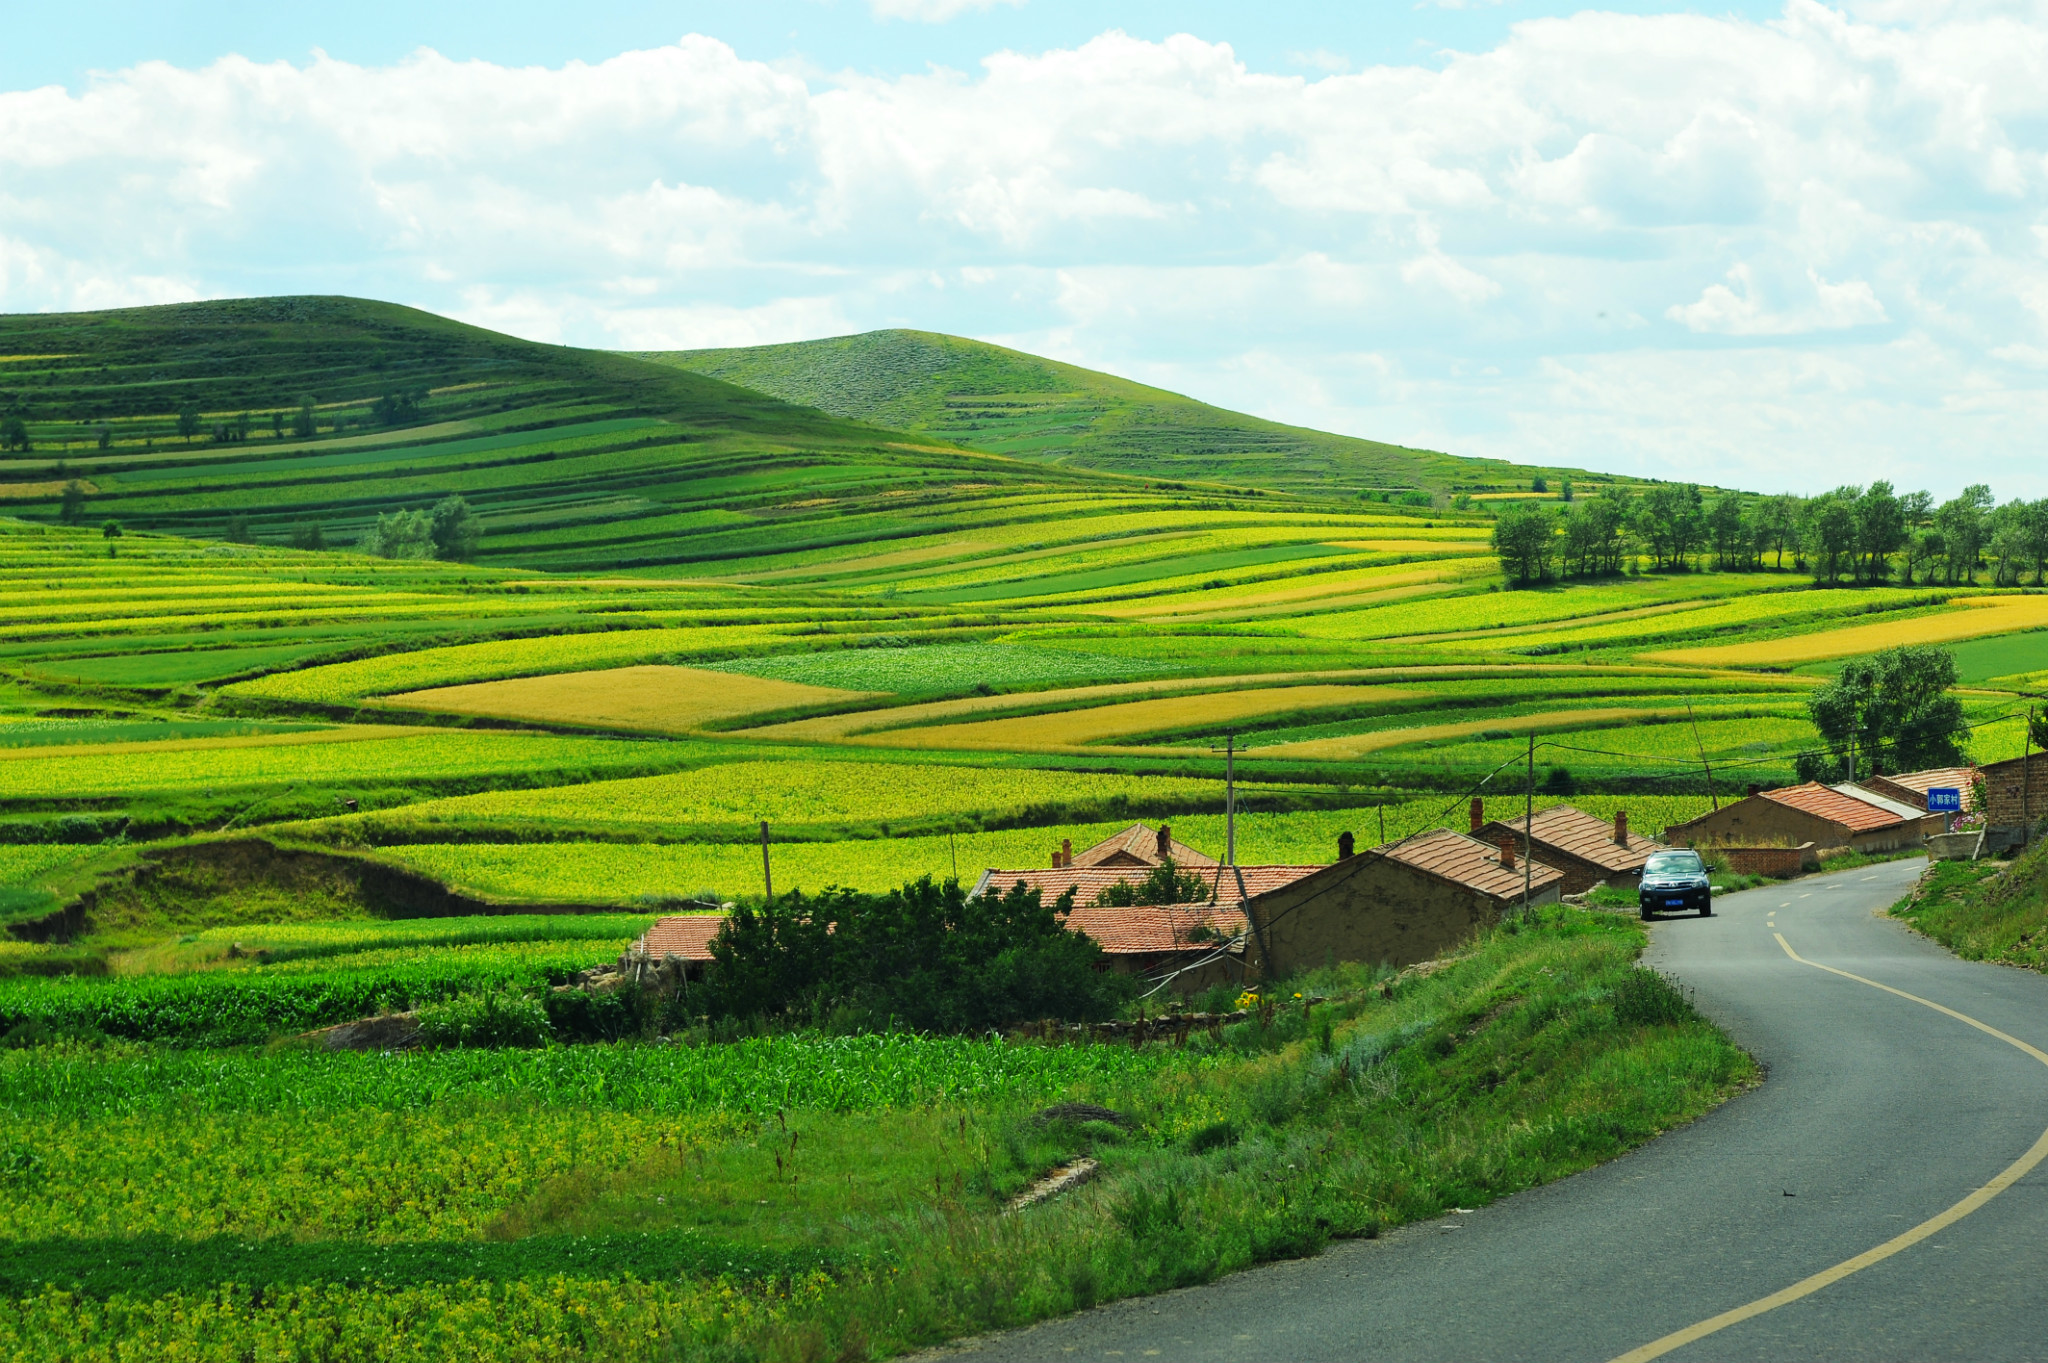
925,956
499,1019
1646,999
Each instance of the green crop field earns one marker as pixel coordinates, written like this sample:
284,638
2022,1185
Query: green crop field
357,662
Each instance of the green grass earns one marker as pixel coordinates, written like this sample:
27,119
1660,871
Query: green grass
896,665
1008,402
1986,911
1539,1051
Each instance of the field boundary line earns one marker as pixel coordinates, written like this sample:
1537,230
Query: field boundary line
1933,1225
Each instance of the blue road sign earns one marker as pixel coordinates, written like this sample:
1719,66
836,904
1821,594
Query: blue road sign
1944,800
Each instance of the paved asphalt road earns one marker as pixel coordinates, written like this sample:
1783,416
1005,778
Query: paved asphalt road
1878,1113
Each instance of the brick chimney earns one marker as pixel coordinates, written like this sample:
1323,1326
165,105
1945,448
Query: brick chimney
1507,853
1165,841
1345,844
1478,813
1056,862
1621,828
1066,851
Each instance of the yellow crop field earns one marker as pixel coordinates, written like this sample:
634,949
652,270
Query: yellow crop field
1968,618
1073,728
1357,745
663,699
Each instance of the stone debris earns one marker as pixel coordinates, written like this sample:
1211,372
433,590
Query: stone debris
1058,1181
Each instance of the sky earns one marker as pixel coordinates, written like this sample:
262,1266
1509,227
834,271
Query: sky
1780,246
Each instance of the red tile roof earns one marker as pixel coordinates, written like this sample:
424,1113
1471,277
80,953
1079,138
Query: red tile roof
1579,834
1150,929
1140,844
1089,881
1468,862
686,935
1816,799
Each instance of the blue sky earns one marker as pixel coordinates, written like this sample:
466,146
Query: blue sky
1782,246
63,44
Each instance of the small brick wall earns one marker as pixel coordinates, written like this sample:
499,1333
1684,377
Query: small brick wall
2008,784
1771,861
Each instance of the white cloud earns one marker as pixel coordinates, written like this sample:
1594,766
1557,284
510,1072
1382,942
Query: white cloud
1741,311
932,11
1686,245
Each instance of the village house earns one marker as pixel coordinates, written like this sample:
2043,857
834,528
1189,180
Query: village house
1586,849
1911,787
2015,797
1827,816
1396,904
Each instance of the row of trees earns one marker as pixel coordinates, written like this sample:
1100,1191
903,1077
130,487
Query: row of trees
1859,534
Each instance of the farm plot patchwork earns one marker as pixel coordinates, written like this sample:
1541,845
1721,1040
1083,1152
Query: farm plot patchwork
662,699
1971,617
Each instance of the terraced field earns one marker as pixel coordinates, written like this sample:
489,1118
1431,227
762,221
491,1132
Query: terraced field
284,744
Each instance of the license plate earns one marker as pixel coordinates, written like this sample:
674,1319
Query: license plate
1674,903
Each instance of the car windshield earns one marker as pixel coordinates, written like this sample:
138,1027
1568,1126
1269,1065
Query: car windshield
1674,863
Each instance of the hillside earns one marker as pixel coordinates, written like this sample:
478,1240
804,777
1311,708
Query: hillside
268,418
1008,402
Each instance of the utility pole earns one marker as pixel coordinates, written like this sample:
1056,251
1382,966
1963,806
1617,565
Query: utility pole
1528,823
954,847
1703,756
1229,799
767,878
1383,825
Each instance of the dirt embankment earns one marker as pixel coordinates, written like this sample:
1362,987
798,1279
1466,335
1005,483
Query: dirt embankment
253,880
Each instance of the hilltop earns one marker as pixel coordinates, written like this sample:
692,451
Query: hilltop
272,419
1005,401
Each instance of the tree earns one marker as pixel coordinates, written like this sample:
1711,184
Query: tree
14,434
277,424
1671,521
72,505
302,420
926,956
400,534
111,530
2009,539
106,438
237,531
1727,533
1961,523
1895,710
309,537
1880,532
455,530
1539,484
396,407
188,421
1564,490
1831,533
1164,885
1525,538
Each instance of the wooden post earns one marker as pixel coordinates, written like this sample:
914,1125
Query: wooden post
767,877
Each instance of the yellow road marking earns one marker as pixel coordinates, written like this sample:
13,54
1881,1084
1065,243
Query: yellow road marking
1934,1225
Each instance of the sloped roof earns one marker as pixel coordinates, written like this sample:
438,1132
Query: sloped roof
686,935
1579,834
1089,881
1955,778
1152,929
1858,815
1468,862
1142,843
1878,798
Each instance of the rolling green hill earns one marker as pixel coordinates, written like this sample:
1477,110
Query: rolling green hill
1007,402
325,412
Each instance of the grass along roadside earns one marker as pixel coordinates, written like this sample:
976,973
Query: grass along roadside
1539,1050
1985,910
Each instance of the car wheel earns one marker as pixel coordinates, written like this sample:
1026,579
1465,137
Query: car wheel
1706,908
1646,913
